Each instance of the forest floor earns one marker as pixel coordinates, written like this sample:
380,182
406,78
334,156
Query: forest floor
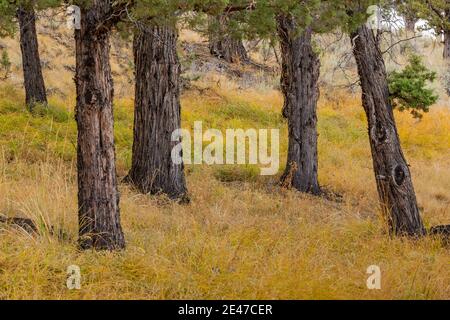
241,237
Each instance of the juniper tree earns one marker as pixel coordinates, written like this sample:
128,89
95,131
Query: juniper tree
157,96
98,195
24,11
157,92
299,84
157,112
408,88
392,173
437,15
295,23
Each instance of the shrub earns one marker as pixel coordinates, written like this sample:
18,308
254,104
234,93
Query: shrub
408,88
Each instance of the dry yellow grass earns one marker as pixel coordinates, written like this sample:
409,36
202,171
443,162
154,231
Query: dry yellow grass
244,239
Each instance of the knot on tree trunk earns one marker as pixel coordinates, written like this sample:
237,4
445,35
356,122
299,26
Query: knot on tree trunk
399,173
379,134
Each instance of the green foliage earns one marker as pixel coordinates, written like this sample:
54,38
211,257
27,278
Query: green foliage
253,19
7,12
435,12
408,88
8,9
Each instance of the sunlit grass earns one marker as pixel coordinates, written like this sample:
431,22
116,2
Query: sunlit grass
241,236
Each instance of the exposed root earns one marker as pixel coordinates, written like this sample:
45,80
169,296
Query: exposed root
24,223
30,227
441,231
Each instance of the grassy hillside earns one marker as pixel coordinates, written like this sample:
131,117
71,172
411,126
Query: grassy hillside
241,236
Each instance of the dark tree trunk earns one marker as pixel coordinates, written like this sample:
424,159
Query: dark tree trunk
224,46
447,38
299,84
447,45
157,114
31,63
447,55
392,174
98,196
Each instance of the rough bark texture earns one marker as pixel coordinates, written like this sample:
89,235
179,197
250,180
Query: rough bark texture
157,113
299,83
224,46
31,63
392,173
98,196
447,38
447,45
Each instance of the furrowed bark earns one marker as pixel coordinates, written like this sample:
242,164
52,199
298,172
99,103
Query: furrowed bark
299,83
157,113
447,38
447,45
392,174
98,196
31,62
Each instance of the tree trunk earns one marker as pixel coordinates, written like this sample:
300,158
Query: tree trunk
447,56
222,45
392,174
447,38
157,114
410,24
299,83
98,196
31,63
447,79
447,45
